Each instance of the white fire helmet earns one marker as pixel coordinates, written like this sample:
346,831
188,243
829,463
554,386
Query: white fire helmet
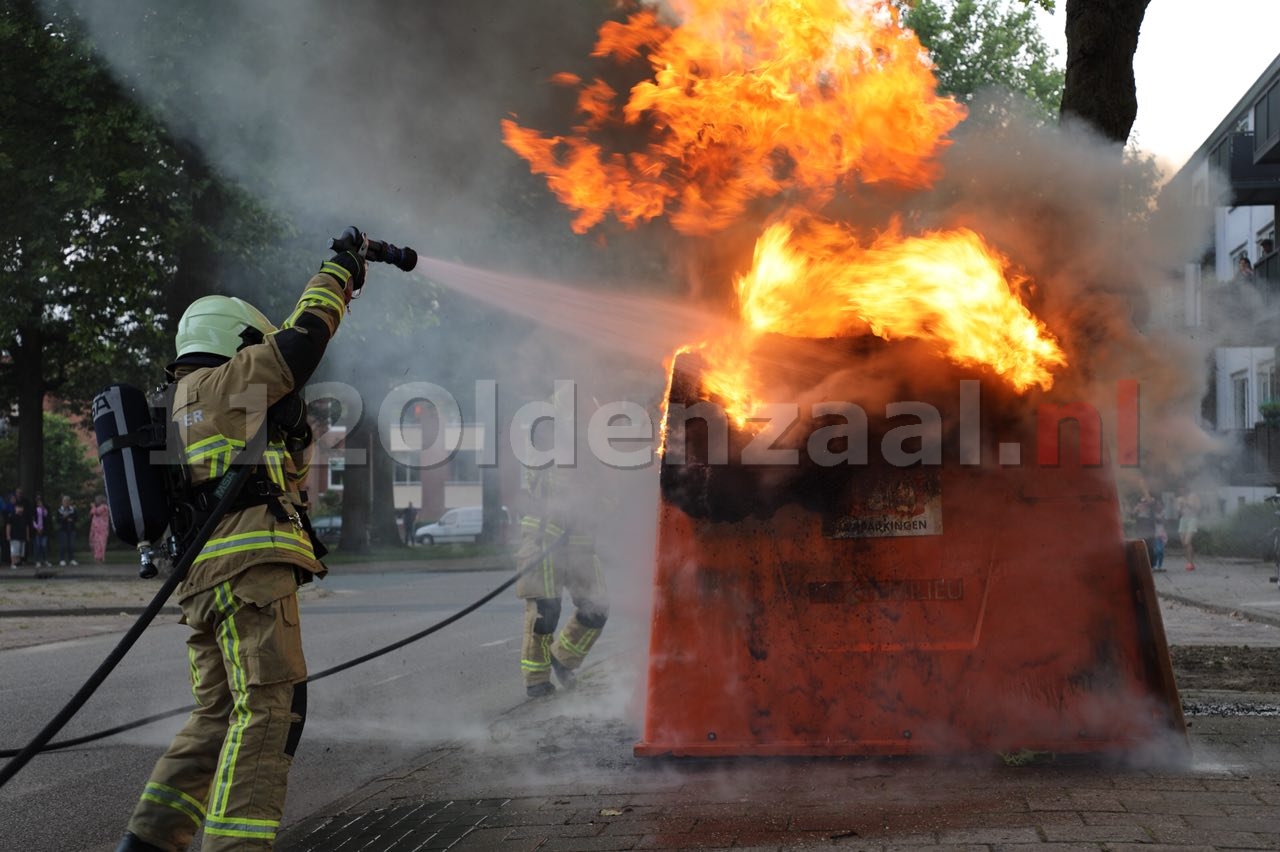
214,324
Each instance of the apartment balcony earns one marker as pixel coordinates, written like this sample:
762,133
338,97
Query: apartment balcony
1268,267
1245,313
1267,151
1266,118
1258,462
1252,182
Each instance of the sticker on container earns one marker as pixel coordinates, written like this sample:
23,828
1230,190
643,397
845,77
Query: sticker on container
893,503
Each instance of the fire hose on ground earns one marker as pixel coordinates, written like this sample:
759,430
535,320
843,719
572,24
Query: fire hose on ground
41,742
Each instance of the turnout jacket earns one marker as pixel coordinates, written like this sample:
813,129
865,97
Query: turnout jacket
218,410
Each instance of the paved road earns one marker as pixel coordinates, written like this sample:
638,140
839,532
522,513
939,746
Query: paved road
1185,624
399,711
1226,585
360,723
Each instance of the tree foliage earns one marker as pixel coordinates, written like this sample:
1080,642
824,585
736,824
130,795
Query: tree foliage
976,44
105,208
98,191
1140,184
68,466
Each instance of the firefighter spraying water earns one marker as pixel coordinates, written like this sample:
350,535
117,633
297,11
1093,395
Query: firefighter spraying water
234,429
150,501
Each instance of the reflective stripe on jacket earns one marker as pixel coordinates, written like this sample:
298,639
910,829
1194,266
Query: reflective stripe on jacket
218,410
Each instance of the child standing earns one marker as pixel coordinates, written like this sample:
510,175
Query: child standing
18,531
67,532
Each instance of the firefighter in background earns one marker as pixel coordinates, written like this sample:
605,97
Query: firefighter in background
551,507
226,770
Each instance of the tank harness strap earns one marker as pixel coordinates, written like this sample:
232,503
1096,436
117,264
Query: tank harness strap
259,490
151,436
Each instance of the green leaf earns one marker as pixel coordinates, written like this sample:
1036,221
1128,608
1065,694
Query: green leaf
976,44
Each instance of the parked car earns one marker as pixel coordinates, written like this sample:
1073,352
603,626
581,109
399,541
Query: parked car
455,525
328,529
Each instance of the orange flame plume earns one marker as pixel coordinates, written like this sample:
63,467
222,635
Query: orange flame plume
794,99
749,98
946,287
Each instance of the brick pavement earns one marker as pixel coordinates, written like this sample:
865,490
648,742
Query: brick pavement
558,775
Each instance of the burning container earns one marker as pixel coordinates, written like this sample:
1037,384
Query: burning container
870,608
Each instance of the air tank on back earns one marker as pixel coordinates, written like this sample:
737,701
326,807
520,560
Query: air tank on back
135,485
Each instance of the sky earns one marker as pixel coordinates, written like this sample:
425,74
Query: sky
1195,60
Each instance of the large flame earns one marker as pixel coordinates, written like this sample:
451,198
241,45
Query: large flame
748,98
948,287
792,100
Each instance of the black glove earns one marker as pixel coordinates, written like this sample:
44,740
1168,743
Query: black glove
289,417
298,438
351,253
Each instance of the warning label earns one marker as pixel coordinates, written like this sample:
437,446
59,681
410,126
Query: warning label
895,503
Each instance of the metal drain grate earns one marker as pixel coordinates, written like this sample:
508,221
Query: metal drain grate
409,828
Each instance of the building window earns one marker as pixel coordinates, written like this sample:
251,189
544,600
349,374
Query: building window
1273,111
407,471
337,466
1261,122
1267,240
1220,156
1266,383
463,468
1240,399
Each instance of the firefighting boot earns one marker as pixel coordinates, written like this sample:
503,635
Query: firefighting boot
131,843
563,673
534,690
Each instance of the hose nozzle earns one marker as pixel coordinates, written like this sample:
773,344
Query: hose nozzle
379,251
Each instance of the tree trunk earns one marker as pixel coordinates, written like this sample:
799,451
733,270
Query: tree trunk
356,490
28,364
382,523
1102,36
368,490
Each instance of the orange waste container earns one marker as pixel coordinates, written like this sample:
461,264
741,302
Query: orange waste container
873,609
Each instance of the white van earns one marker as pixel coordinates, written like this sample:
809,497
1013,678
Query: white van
454,525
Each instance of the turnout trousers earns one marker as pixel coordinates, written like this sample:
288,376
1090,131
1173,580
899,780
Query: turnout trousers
227,769
573,567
